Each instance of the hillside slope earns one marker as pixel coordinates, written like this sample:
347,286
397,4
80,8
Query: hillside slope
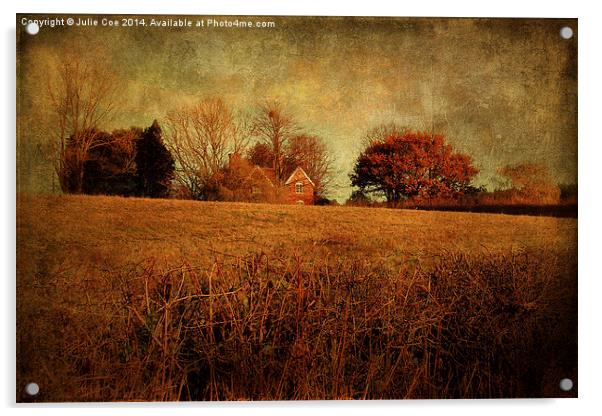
117,230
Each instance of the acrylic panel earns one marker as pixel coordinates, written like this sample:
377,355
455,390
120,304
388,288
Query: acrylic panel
220,208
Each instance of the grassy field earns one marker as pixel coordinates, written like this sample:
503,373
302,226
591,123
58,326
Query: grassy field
137,299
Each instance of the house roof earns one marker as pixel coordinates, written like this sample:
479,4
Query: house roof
296,173
269,173
262,173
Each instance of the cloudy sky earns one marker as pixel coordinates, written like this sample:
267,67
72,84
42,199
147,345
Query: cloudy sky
503,91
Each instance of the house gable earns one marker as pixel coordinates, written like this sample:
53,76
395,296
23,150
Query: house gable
299,188
299,175
259,174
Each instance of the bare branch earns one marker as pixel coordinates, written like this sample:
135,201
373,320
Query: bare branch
273,126
81,98
201,137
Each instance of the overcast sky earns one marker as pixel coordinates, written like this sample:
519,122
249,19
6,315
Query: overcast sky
503,91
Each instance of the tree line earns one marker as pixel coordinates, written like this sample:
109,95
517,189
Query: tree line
191,154
188,156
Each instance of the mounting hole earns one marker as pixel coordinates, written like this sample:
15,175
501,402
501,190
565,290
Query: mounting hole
32,28
32,389
566,384
566,32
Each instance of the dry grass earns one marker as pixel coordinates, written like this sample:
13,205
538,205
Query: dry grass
132,299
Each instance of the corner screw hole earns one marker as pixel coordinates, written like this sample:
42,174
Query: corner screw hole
566,32
32,389
566,384
32,28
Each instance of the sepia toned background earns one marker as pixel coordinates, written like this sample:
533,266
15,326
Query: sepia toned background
502,90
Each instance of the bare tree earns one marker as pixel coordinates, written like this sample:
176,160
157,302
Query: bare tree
81,97
274,126
310,153
124,143
200,138
381,132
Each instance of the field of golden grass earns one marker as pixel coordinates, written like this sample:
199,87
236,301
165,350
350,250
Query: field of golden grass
139,299
113,231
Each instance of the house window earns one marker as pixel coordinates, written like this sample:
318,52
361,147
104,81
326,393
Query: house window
299,187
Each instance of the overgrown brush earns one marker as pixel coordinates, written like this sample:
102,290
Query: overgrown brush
266,328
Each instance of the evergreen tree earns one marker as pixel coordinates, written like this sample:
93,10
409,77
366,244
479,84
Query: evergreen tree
154,163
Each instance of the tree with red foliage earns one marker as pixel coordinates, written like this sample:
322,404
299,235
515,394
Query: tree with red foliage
412,165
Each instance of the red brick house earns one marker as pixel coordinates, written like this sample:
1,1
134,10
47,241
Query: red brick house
299,188
259,184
